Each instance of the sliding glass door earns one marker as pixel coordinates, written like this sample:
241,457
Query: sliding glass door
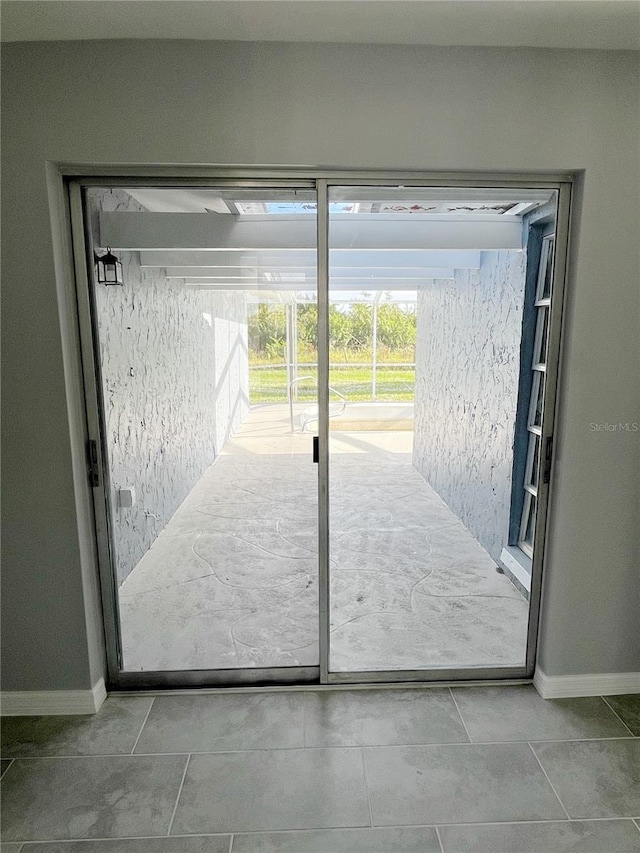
311,410
430,308
207,379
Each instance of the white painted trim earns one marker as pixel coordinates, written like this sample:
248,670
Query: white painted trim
52,702
597,684
99,691
510,562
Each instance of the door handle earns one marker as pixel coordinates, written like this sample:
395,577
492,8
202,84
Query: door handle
316,449
93,467
548,455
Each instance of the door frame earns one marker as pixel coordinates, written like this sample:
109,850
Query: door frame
79,177
563,187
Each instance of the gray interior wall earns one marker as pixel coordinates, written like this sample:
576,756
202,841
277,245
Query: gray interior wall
467,370
374,106
174,367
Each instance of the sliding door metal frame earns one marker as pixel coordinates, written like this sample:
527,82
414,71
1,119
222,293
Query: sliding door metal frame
105,174
324,585
82,176
187,679
550,412
562,184
90,363
96,431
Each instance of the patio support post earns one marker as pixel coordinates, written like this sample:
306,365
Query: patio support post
374,353
294,340
287,347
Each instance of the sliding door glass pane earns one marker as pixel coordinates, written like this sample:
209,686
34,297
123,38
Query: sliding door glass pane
426,292
207,356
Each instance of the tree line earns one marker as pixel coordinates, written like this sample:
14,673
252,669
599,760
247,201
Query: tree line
350,327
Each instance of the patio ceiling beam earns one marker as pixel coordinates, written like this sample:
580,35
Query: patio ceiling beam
306,274
269,260
282,286
125,230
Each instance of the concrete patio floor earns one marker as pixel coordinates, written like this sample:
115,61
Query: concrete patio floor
231,581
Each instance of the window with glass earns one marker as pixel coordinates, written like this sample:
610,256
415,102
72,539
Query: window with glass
534,420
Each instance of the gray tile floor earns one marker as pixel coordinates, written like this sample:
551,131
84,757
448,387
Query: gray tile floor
231,581
413,770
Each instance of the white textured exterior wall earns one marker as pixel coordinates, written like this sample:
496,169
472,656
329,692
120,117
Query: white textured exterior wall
175,385
467,365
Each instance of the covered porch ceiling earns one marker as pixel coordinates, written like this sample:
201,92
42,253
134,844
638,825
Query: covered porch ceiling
262,241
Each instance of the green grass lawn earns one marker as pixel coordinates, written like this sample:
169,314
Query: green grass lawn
269,384
395,382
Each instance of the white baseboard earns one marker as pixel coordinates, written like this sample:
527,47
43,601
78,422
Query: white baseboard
598,684
27,703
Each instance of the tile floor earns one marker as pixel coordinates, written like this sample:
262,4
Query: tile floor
231,581
413,770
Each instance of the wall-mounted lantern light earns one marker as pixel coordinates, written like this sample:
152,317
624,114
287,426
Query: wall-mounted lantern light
108,268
